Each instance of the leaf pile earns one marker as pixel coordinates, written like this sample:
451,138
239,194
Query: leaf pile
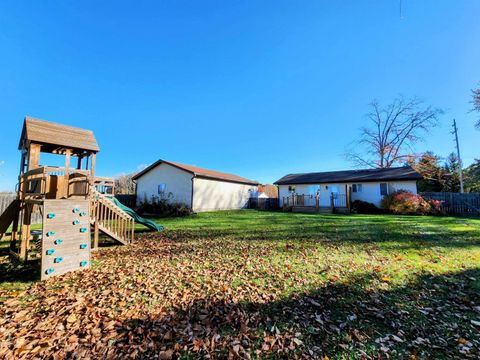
212,295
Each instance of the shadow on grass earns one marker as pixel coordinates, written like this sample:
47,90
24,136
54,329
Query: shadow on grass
400,232
17,272
427,318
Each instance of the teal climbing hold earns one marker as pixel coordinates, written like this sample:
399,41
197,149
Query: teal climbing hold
58,260
50,251
49,271
83,230
83,246
76,210
50,233
51,216
83,263
83,213
76,222
58,241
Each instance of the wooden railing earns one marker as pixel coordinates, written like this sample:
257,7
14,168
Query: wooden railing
338,200
306,200
54,183
105,186
301,200
110,219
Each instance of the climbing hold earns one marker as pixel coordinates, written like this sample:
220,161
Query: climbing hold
49,271
58,241
50,251
58,260
83,213
83,263
83,246
50,233
76,222
83,230
76,210
51,216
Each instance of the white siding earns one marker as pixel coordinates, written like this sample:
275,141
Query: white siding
178,182
212,194
370,191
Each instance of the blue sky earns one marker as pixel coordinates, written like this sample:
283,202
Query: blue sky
259,88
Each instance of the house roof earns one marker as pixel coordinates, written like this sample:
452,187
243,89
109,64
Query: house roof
199,172
46,132
346,176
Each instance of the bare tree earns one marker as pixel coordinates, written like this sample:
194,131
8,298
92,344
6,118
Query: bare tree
476,104
124,184
392,131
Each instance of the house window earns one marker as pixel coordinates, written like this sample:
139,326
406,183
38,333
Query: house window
357,188
161,189
291,188
383,189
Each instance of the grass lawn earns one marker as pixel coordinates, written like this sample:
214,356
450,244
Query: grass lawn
248,284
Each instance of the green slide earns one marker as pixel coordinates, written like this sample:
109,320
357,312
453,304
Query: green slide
148,223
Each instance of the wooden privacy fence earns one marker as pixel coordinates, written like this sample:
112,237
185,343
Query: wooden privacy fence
263,203
466,204
6,198
127,200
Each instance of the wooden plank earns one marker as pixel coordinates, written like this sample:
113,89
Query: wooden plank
52,133
70,249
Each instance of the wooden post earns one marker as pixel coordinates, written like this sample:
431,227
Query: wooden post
15,229
332,203
348,196
25,238
92,170
22,172
67,173
94,214
317,201
33,156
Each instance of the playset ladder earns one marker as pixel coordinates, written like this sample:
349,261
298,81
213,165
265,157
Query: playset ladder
8,216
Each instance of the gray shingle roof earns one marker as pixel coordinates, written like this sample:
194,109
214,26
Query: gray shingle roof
390,174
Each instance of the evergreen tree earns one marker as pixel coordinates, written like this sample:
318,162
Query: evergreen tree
472,177
451,174
428,165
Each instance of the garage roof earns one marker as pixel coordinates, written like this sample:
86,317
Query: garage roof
199,172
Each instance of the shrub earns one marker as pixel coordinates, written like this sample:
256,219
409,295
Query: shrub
436,207
405,202
163,206
364,207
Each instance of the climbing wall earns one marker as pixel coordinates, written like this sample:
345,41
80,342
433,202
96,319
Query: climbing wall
65,237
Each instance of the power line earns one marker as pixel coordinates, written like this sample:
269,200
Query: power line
460,172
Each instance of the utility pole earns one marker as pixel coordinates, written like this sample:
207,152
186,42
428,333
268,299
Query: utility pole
460,172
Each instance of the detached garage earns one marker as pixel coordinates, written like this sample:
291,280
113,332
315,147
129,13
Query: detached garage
199,189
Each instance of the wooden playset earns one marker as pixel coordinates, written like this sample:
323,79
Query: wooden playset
71,199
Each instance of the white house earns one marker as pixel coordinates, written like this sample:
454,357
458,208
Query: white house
199,189
341,187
